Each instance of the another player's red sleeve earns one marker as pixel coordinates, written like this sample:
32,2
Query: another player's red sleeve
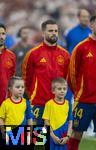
74,68
66,66
27,72
12,70
14,66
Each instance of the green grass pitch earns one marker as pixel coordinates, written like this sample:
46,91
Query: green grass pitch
88,144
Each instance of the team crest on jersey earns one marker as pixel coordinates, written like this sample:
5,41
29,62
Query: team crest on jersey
60,60
8,63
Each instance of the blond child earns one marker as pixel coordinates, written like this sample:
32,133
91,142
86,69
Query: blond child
58,115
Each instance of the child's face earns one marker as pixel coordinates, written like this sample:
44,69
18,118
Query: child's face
18,88
60,90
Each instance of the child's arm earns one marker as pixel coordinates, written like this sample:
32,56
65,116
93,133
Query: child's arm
2,118
29,116
1,122
29,113
54,137
2,128
69,133
30,122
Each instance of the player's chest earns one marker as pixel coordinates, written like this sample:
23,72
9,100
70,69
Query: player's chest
5,62
89,56
50,59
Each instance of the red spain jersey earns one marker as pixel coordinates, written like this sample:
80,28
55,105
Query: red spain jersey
7,70
82,72
40,66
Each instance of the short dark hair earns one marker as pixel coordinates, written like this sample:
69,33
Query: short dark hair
47,22
12,80
93,18
58,80
2,26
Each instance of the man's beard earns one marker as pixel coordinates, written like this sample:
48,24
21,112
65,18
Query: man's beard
52,40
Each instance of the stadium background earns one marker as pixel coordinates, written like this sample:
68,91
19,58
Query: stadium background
32,12
17,13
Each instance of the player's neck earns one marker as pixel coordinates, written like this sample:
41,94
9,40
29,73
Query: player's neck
15,99
1,48
59,100
83,25
49,44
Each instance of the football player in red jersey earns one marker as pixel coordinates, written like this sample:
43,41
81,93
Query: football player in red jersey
82,79
41,65
7,64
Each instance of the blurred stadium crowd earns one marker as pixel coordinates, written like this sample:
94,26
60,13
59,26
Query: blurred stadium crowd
18,13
